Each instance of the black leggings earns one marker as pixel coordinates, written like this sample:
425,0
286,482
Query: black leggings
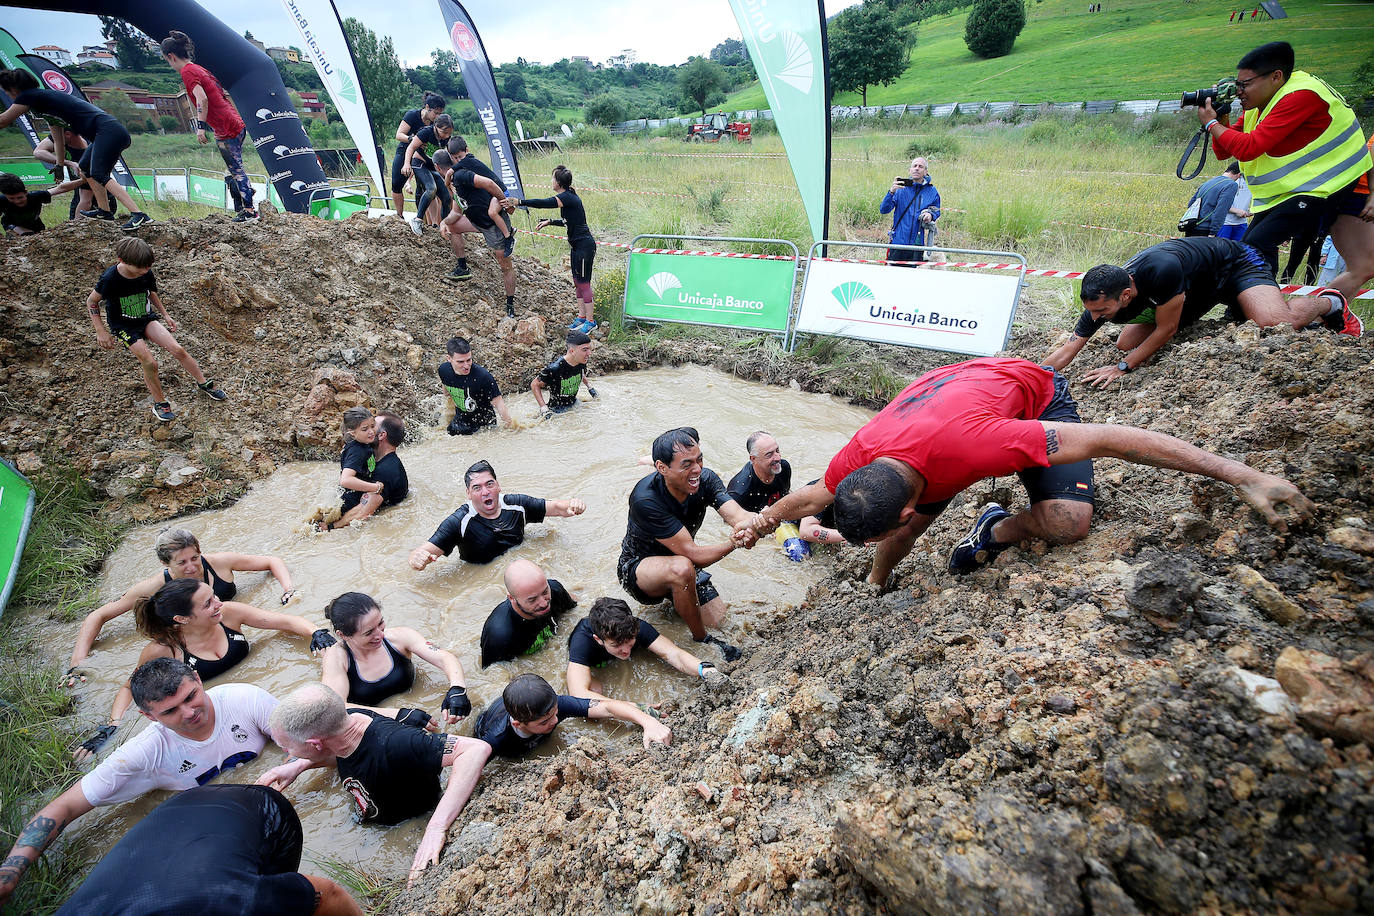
434,187
110,140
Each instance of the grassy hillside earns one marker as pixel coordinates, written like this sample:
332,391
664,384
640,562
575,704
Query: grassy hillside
1145,49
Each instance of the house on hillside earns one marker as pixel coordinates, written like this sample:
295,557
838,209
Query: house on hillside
60,56
312,106
95,54
285,54
156,104
257,44
624,60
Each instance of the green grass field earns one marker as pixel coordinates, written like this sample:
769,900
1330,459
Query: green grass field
1147,49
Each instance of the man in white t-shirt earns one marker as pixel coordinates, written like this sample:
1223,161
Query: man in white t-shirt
196,735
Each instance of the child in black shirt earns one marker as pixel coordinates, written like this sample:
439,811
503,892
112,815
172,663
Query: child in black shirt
127,289
357,463
20,209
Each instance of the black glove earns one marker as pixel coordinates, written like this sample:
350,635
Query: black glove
592,392
456,702
546,415
415,718
97,741
321,639
729,652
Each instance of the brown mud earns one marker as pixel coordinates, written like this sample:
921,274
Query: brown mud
1092,728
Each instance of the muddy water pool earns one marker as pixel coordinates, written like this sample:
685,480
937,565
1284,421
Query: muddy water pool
589,453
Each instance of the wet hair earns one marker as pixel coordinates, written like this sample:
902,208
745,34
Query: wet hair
563,175
1233,168
11,184
135,252
1276,55
156,680
481,467
156,616
529,698
674,440
312,711
17,80
442,159
345,611
354,417
612,620
443,122
869,502
170,540
435,102
754,439
457,146
393,427
577,339
457,346
180,44
1104,280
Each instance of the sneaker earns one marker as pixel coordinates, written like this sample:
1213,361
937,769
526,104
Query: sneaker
138,219
210,389
246,216
978,548
588,325
510,309
460,272
163,411
1344,321
97,214
576,324
508,245
417,225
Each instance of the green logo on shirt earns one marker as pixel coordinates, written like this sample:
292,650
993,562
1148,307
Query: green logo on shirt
135,306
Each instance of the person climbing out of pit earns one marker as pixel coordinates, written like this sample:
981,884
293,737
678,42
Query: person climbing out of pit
183,619
477,184
419,162
490,522
765,478
983,418
477,399
128,289
561,379
580,240
529,710
181,556
659,557
612,632
528,618
196,735
377,466
371,663
411,122
390,771
1171,286
21,209
215,112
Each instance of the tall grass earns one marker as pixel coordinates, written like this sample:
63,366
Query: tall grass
1008,221
374,892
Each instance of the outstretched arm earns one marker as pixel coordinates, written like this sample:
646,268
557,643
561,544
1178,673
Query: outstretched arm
1167,319
96,619
1070,442
564,508
809,500
654,730
38,834
466,757
13,114
248,562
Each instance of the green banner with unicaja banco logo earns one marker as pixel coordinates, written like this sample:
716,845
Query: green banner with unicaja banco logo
747,293
786,41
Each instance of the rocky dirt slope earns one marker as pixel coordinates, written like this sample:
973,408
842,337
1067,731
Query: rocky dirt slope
1173,715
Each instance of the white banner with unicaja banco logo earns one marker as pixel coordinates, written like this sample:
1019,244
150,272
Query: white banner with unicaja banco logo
954,311
324,43
786,41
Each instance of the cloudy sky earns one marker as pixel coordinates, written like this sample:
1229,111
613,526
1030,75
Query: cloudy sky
537,30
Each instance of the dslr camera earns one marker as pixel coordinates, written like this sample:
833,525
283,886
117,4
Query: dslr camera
1221,96
906,181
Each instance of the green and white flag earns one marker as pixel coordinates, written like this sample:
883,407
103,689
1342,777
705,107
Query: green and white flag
786,41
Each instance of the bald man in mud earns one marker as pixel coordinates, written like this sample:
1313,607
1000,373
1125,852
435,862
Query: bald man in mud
989,418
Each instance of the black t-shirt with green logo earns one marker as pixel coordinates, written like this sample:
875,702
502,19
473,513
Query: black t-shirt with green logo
472,394
561,381
126,300
506,634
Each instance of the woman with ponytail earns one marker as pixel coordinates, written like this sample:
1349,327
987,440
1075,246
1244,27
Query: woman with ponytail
185,620
411,122
580,240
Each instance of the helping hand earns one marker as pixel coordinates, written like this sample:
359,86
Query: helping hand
457,704
657,732
1266,493
321,639
279,777
576,506
1102,376
427,853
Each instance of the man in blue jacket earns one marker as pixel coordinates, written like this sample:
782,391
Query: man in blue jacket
1216,194
917,206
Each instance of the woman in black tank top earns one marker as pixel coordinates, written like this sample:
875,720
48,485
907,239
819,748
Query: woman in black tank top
181,556
185,620
372,662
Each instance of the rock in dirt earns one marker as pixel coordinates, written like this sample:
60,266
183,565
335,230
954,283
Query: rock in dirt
1334,698
1273,603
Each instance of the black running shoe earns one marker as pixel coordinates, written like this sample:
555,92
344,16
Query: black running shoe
138,219
210,389
98,214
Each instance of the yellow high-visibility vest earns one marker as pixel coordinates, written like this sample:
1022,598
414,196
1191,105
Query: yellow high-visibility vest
1326,165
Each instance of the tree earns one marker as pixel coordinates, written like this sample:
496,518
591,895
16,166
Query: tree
170,124
119,106
701,80
247,34
993,26
730,52
130,46
388,92
867,48
604,110
513,84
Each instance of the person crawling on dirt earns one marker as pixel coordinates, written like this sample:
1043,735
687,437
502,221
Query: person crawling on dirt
21,209
476,397
127,289
196,735
528,618
1172,285
561,378
765,478
529,710
179,551
659,556
389,770
611,632
982,418
243,846
489,523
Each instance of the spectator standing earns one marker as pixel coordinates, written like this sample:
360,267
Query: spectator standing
1237,218
1215,196
917,206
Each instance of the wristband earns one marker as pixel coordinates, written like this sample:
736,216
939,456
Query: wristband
1208,126
702,666
201,125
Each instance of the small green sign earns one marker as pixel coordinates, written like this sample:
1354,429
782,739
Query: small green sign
751,293
35,174
209,191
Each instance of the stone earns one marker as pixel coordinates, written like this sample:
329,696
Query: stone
1163,592
1359,540
1265,692
1273,603
530,331
1061,704
1334,697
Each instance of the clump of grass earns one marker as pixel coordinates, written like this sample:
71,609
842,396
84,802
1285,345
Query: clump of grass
772,220
711,202
590,138
373,892
934,146
1007,220
1044,130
